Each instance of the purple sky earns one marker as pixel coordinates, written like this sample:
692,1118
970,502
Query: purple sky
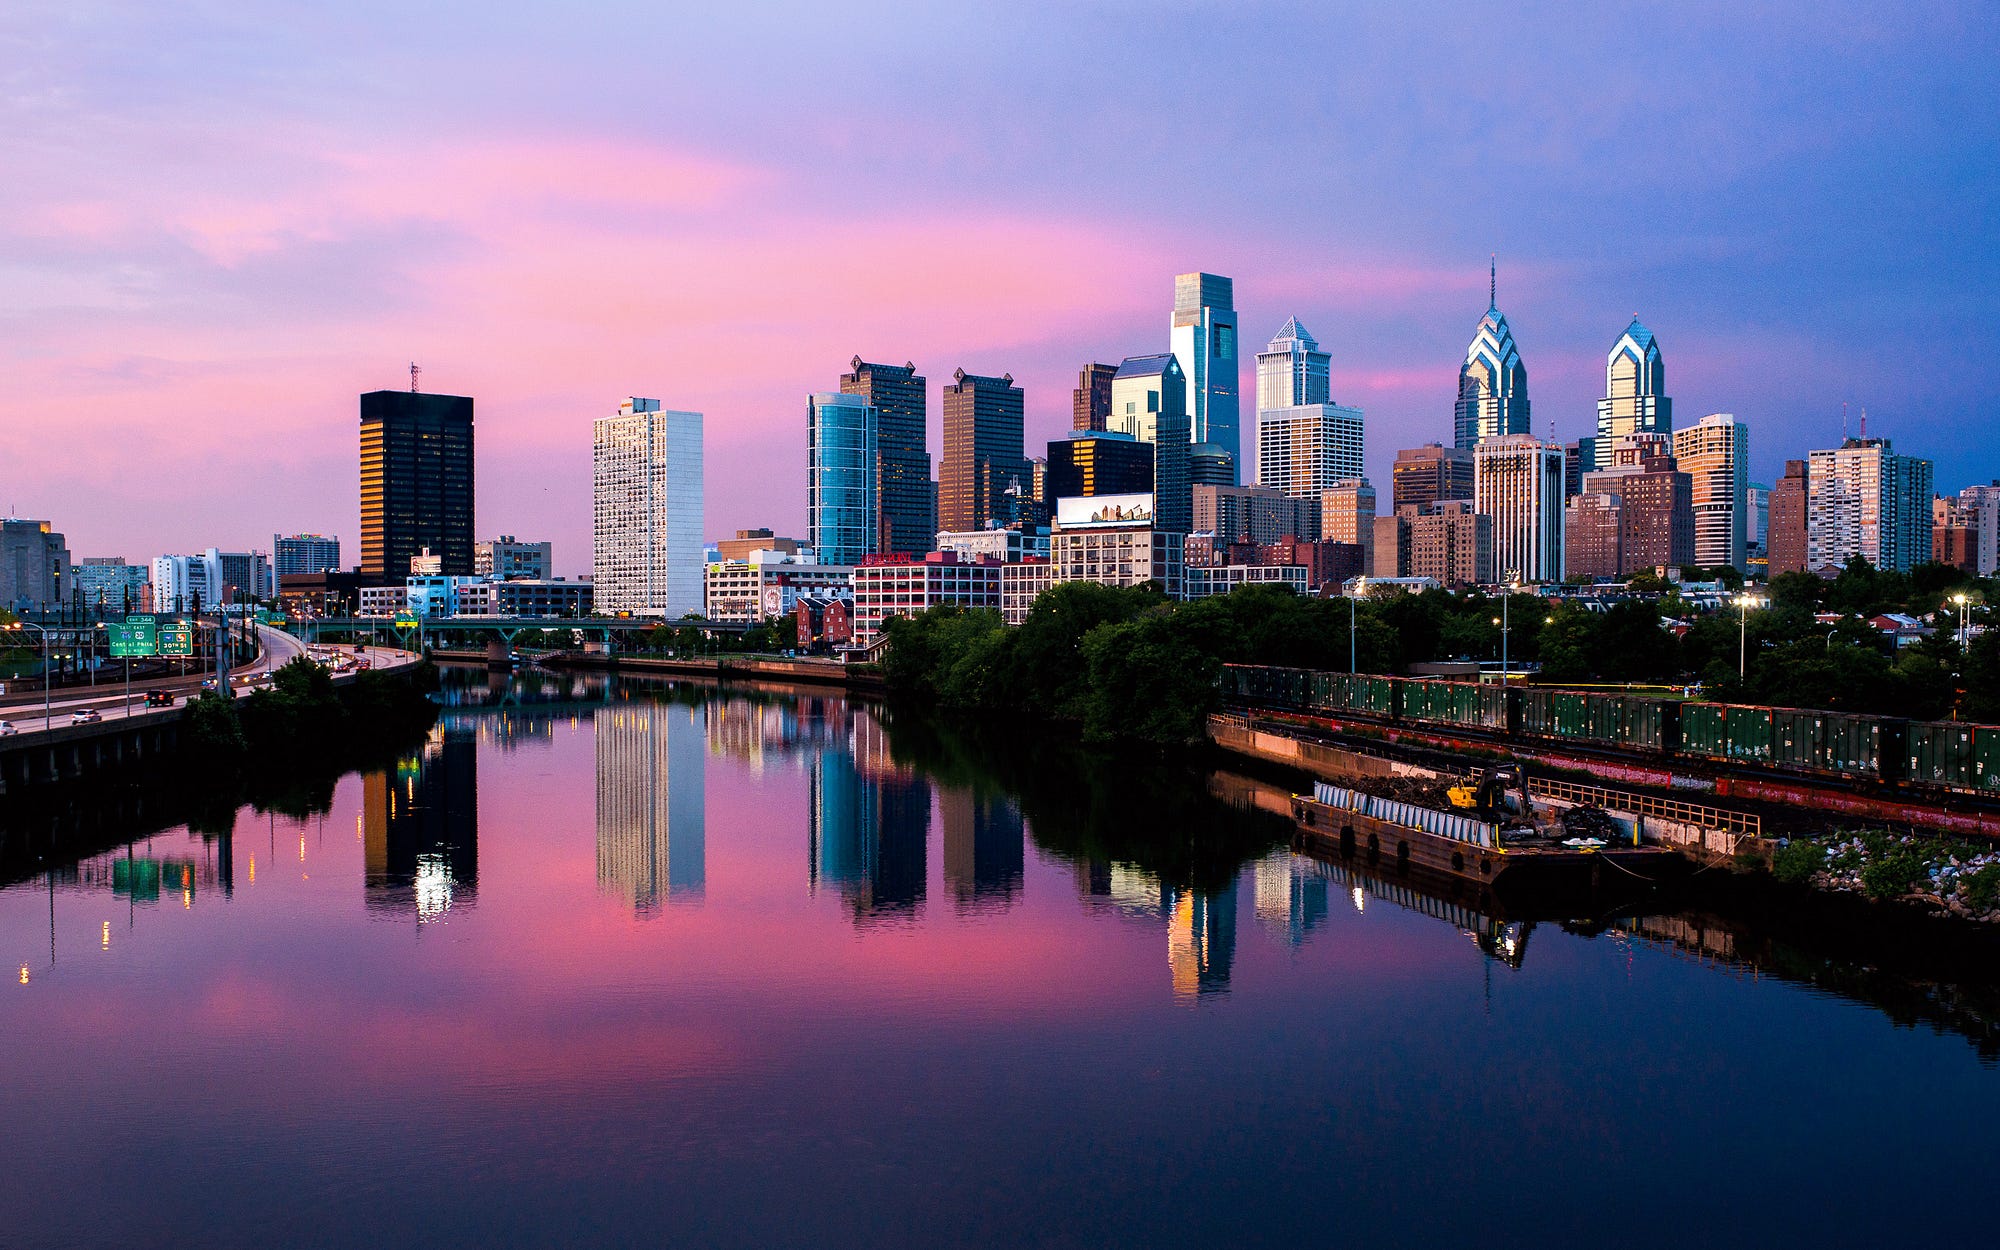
218,227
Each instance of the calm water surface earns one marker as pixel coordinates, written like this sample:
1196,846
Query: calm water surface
604,966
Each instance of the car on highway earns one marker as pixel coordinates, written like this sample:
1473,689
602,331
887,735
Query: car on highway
208,683
159,698
7,728
85,716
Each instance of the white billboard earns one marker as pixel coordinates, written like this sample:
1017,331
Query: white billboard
1086,511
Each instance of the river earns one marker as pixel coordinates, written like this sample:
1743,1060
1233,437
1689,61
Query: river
625,963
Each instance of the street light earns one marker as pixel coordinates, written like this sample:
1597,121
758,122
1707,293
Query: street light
1961,599
45,667
1513,583
1745,602
1360,588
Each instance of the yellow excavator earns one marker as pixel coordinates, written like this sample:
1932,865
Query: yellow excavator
1490,798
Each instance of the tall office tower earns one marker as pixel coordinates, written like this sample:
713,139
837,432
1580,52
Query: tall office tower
1785,541
1448,541
1518,481
1090,402
1715,454
1253,514
1204,342
1209,465
842,521
1425,475
1756,519
34,564
1954,534
1982,503
906,517
1492,383
1099,462
1347,515
416,482
304,553
1863,499
1306,443
651,817
246,575
182,582
1149,402
1635,390
1579,458
1292,370
646,556
982,451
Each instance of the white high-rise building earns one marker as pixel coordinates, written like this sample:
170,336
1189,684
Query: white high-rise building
180,582
1517,479
1204,343
1715,454
1306,444
1863,499
1982,505
647,555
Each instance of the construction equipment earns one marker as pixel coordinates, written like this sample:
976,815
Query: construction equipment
1490,797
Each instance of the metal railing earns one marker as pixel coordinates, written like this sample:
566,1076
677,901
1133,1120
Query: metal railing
1429,820
1647,805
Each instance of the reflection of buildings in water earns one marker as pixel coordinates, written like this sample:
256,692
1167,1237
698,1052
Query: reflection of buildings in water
1290,899
984,847
868,738
420,830
765,733
867,836
1201,927
505,730
651,816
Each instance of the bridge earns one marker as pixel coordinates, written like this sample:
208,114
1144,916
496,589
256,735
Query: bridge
505,628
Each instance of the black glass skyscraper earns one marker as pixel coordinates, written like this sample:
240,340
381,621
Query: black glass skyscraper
904,512
416,482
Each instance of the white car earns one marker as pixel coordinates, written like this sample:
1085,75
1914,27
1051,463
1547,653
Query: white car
7,728
84,717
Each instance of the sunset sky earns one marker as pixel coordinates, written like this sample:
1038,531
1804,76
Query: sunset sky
219,222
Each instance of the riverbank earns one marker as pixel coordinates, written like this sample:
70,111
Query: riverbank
799,671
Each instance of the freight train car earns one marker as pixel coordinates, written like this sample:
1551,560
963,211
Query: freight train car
1639,724
1951,756
1457,703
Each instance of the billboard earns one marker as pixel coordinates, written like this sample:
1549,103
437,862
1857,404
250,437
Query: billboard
1088,511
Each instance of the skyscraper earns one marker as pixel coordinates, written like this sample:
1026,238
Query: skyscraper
1492,383
1635,391
1090,402
842,519
1863,499
1715,454
1306,443
1099,462
646,556
1347,514
1425,475
1518,481
416,482
906,515
304,553
1204,342
1149,402
983,451
1785,534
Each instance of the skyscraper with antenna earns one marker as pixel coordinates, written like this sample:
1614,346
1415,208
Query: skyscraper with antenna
1492,383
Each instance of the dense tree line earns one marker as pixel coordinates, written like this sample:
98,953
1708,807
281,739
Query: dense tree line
1128,664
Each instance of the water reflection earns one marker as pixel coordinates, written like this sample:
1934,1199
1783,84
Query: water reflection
420,831
1199,925
651,803
1291,899
985,847
866,834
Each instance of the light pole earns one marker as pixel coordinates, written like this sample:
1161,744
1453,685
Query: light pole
1360,588
1745,603
1960,599
1513,580
45,666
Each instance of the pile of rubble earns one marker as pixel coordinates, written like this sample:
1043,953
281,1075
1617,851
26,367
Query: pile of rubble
1955,877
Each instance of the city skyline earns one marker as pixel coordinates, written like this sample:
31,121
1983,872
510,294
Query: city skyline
540,253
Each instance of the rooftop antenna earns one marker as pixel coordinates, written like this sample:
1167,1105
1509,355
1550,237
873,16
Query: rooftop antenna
1843,420
414,371
1864,423
1493,280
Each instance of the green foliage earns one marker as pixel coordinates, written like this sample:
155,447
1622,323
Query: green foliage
212,730
1798,860
1894,871
1980,889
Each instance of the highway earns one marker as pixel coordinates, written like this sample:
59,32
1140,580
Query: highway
21,707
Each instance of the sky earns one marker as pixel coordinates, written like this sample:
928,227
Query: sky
222,220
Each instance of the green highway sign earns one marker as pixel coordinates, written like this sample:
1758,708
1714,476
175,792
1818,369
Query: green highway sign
176,640
139,618
135,639
406,620
271,618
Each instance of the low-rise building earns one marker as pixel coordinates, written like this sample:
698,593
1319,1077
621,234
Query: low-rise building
507,557
1010,546
517,597
108,584
826,623
767,584
1223,578
886,586
1020,584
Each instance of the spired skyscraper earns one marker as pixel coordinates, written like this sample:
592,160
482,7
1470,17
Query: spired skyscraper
416,482
1204,342
646,554
905,511
1492,383
1635,393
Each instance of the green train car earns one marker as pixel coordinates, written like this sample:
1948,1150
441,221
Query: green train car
1954,756
1457,703
1618,720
